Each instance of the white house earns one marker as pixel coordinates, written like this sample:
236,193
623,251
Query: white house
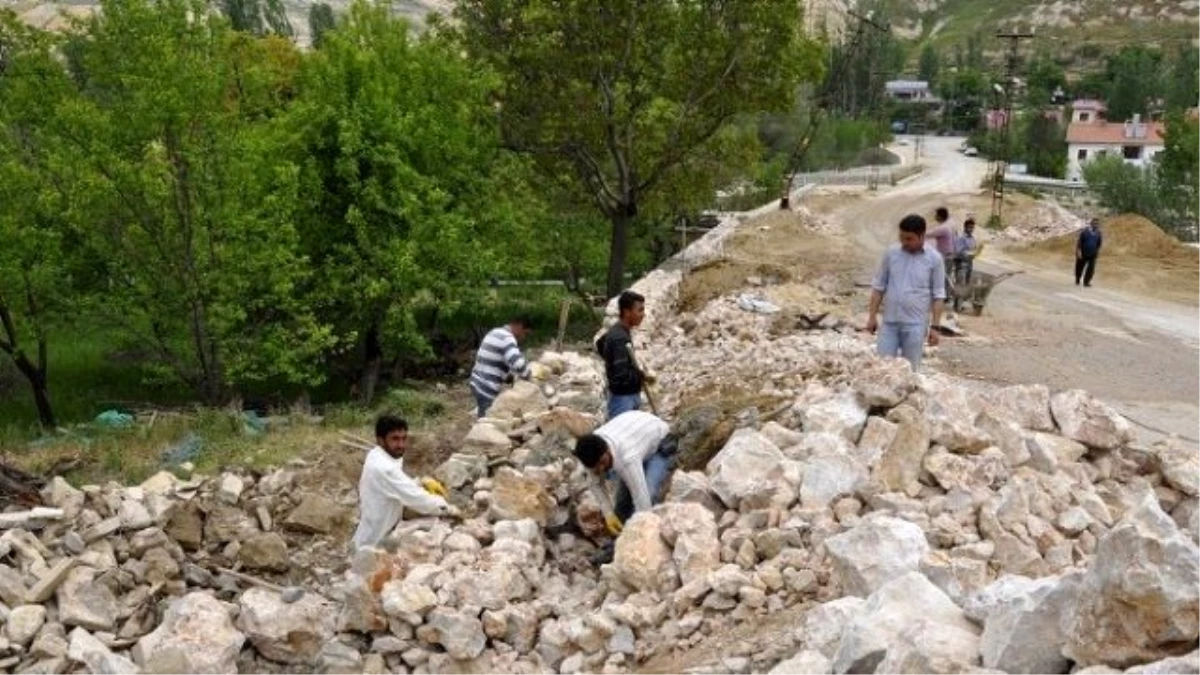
908,90
1135,141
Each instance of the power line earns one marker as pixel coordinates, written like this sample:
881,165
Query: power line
1010,83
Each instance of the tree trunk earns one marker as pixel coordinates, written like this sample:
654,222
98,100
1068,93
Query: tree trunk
372,364
37,383
617,251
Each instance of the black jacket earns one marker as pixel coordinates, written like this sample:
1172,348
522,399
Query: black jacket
623,377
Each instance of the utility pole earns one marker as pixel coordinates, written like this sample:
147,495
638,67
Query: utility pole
1010,83
823,100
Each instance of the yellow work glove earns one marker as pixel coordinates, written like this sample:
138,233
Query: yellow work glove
538,372
613,523
433,487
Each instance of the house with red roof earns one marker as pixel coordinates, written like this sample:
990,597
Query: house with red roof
1090,136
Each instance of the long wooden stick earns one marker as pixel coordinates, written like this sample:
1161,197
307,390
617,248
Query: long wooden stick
645,386
564,313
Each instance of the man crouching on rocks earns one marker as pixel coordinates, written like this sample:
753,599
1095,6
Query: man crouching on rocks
384,490
639,449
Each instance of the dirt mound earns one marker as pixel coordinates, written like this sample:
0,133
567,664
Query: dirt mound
716,278
1128,236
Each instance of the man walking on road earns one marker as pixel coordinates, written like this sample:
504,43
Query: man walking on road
1087,249
944,236
499,358
910,284
615,347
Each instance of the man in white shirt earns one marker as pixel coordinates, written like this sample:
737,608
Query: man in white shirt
639,449
384,490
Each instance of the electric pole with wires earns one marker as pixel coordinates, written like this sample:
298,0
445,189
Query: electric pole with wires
1000,165
824,99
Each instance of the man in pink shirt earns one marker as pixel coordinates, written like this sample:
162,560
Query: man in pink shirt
943,236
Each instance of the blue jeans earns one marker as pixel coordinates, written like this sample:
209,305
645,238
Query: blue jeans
904,339
623,403
482,403
657,468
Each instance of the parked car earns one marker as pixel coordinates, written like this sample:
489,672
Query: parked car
970,151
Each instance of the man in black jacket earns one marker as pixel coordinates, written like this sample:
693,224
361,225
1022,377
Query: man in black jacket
1087,249
624,378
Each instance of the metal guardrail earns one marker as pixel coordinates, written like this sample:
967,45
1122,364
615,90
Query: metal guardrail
1020,180
863,175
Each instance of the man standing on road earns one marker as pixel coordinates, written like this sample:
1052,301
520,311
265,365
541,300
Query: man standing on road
910,284
943,235
385,490
1087,249
615,347
499,359
639,449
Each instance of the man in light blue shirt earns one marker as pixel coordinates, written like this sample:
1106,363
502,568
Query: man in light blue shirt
910,285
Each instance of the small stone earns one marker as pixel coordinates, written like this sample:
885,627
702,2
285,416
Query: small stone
24,622
229,490
97,658
264,551
316,514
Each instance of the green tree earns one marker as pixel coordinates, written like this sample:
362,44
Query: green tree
1135,77
1178,173
178,196
1045,149
34,276
930,64
1043,76
1183,90
320,21
620,95
410,202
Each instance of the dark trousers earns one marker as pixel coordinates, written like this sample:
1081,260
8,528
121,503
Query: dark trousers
1085,268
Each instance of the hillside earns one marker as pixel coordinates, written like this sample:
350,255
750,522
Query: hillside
1105,22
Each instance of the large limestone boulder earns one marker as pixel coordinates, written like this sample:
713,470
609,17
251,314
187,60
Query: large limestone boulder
749,469
1028,405
874,552
523,398
1023,632
461,469
885,383
951,412
316,514
803,663
642,558
1139,598
825,623
486,440
843,414
691,530
407,600
517,497
1084,418
829,476
910,616
1179,466
899,467
286,632
196,635
264,551
877,435
460,633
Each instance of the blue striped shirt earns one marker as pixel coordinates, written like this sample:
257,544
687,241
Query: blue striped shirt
910,282
498,356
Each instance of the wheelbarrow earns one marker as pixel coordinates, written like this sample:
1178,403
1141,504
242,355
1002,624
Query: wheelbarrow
975,292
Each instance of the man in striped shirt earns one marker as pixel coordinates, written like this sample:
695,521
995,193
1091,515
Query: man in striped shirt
498,360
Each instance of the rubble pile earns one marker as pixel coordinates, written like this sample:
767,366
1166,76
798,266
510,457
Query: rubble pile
912,524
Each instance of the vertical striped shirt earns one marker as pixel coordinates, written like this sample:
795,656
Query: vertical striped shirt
498,356
632,437
910,282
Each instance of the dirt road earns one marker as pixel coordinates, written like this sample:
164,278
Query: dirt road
1138,353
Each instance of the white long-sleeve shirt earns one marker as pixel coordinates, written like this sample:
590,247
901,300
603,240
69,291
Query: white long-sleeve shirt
383,493
632,437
